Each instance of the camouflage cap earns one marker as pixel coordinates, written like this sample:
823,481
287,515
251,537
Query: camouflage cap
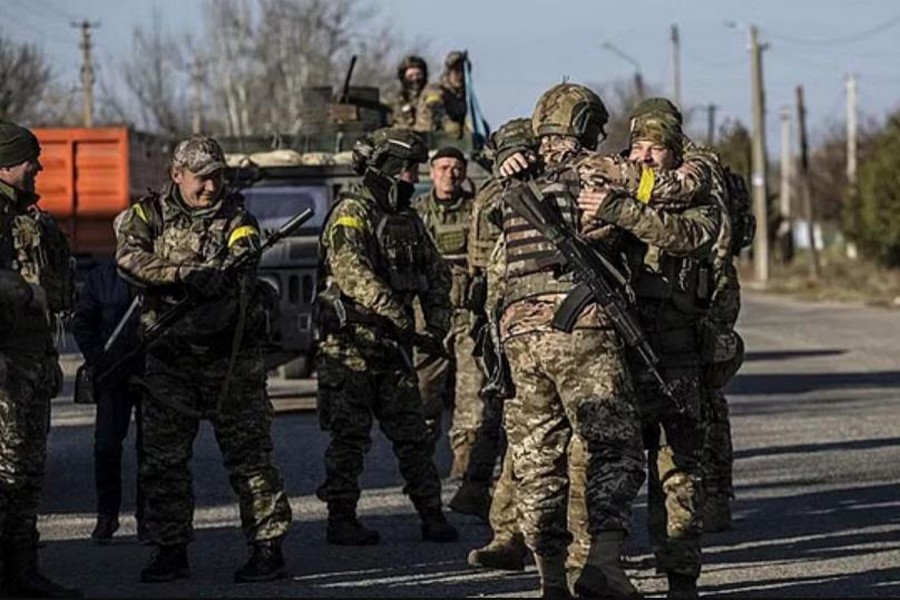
658,128
657,106
199,154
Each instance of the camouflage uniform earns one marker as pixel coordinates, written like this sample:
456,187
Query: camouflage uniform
209,365
447,222
36,291
442,106
377,259
403,105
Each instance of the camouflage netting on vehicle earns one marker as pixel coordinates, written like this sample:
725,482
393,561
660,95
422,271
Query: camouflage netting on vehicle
287,158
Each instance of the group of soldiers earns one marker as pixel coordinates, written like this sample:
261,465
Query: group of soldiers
420,297
562,397
437,106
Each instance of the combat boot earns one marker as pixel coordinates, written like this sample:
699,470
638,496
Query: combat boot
682,587
435,527
602,575
472,498
505,554
344,529
266,563
717,514
167,564
552,570
107,525
22,578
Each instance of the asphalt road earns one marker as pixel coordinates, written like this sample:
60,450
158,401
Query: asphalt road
817,445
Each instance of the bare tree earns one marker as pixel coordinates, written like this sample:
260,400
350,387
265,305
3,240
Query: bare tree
620,97
24,78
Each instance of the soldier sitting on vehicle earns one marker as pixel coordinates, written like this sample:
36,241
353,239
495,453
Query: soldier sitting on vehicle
442,106
413,75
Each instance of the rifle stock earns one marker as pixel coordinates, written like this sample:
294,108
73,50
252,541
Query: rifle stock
179,310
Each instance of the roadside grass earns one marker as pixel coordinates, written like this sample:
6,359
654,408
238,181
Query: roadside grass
842,280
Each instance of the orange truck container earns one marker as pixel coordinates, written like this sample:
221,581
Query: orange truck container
92,174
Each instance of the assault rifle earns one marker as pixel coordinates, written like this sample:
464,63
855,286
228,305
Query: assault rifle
173,315
592,271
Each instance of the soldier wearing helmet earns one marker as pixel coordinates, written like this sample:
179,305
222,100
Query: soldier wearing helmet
413,76
377,259
442,106
562,400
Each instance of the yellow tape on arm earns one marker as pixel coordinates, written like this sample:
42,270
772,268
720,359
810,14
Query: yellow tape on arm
240,233
142,215
645,187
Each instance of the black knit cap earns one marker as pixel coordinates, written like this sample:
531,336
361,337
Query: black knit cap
17,144
449,152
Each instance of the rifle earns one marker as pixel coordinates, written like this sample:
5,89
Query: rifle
173,315
592,270
345,89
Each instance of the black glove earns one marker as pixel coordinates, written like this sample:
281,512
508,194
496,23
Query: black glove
205,280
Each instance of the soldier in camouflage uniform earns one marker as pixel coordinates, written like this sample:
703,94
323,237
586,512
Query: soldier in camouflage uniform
36,289
377,258
554,398
442,106
673,290
179,244
413,76
445,211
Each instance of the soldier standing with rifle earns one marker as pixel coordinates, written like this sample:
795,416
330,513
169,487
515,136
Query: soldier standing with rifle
177,247
35,289
377,258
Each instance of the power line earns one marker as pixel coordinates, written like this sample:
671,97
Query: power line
847,39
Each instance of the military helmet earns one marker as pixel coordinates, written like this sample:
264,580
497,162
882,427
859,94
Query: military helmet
657,106
454,59
389,150
573,110
513,136
412,61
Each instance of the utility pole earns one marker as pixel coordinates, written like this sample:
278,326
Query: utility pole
806,191
759,168
87,70
676,66
785,225
197,98
639,85
852,145
710,124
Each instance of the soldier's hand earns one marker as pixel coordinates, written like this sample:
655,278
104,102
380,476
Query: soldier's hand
205,280
590,201
515,164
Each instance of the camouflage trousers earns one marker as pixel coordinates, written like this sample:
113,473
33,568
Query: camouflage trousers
179,392
674,442
361,379
718,452
570,384
504,513
24,424
457,381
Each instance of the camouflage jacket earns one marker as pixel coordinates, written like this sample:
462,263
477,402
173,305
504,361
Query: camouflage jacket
679,232
442,108
37,281
161,239
403,109
447,222
358,264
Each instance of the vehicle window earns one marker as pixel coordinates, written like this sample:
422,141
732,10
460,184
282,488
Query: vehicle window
274,205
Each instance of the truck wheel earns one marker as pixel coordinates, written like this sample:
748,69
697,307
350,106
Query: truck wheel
299,368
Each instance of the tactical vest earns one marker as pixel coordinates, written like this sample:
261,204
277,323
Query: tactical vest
400,254
188,237
533,265
484,230
448,225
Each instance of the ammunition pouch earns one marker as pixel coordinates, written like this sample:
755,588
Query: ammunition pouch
723,355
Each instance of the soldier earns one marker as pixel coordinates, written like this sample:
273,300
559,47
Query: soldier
413,76
445,211
179,244
377,258
36,288
723,347
442,106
